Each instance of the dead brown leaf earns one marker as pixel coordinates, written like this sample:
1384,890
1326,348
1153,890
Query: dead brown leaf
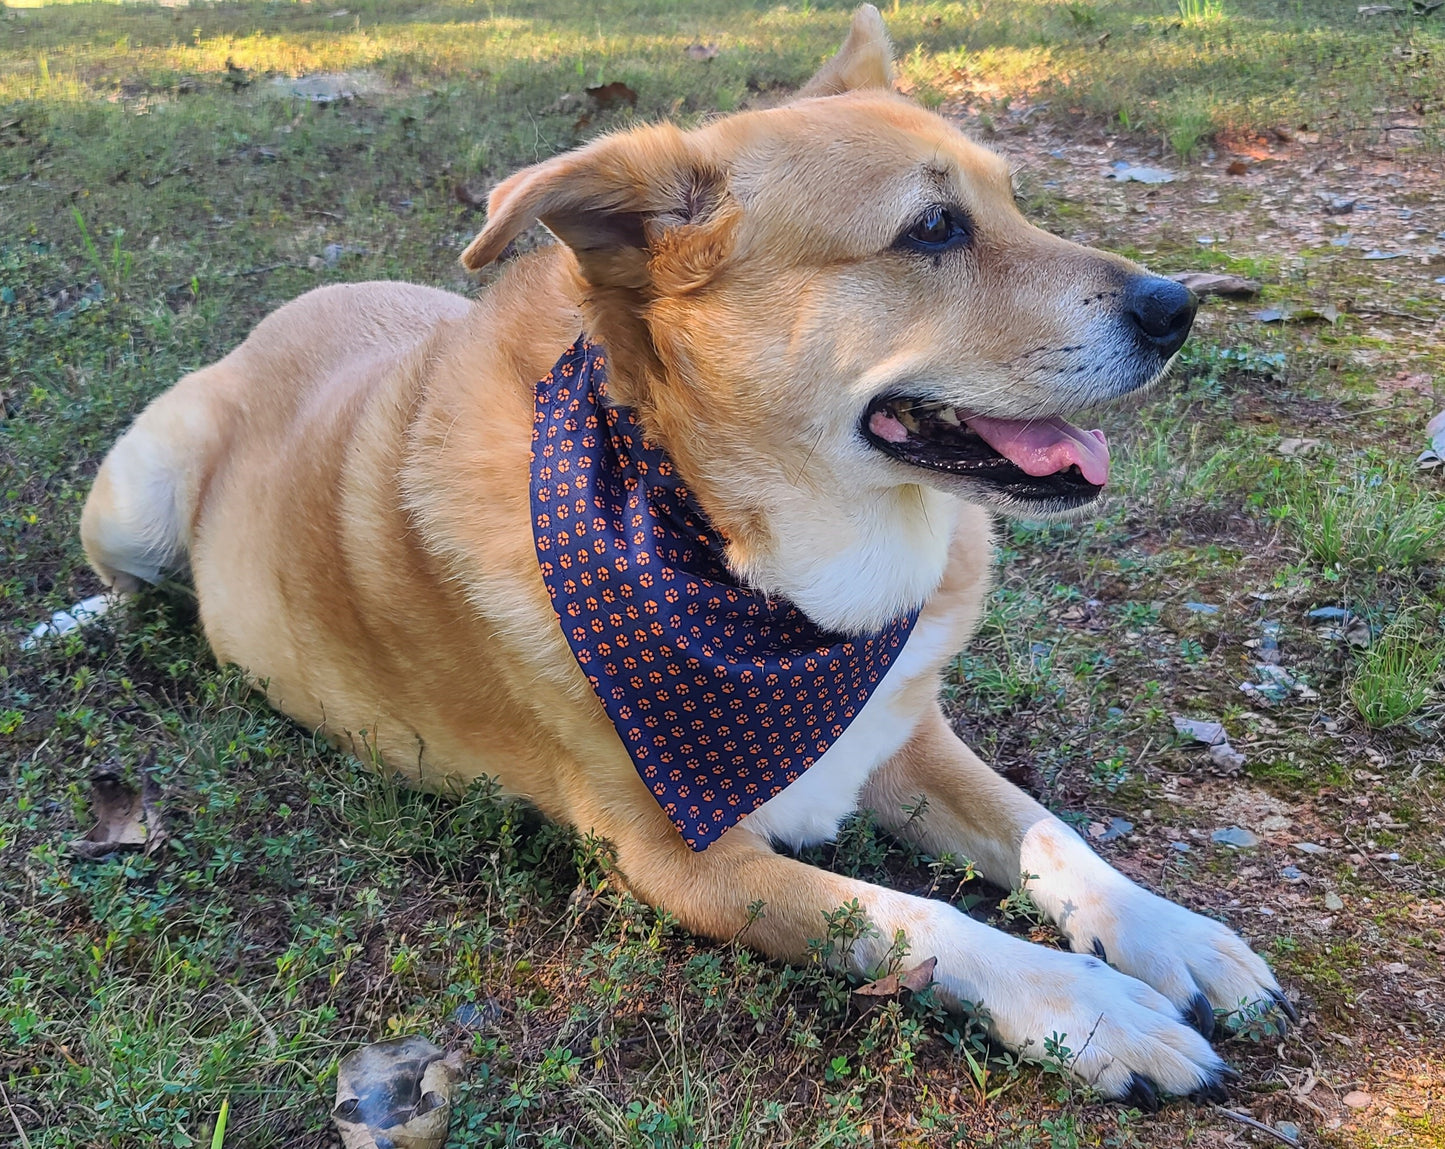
914,979
1209,283
1237,168
605,97
396,1093
124,819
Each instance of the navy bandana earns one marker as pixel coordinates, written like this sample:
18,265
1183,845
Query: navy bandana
721,695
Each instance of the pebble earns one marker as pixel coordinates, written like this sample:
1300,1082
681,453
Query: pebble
1288,1129
1311,848
1182,847
1234,836
1333,901
1292,874
1358,1099
1396,967
1201,607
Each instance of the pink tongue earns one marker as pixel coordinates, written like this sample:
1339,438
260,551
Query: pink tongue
1045,446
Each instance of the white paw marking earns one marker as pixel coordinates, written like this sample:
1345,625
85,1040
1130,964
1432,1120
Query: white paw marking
64,621
1180,953
1114,1026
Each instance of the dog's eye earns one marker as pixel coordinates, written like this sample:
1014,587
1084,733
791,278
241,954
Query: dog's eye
938,230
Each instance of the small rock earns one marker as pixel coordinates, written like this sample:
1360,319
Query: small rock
1096,830
1337,204
1201,607
1358,1099
1396,967
1291,874
1288,1129
1333,901
1226,757
1234,836
1294,448
332,254
1182,847
316,263
1272,823
1311,848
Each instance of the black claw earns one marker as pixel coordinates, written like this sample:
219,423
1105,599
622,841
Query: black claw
1213,1090
1285,1005
1200,1014
1099,950
1142,1094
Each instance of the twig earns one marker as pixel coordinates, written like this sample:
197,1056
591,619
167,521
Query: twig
257,1014
257,270
1244,1119
20,1129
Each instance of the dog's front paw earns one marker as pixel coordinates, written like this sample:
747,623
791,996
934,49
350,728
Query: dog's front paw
1199,964
1112,1030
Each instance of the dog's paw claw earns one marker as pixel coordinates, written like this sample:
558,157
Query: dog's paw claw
1285,1005
1214,1091
1142,1094
1200,1014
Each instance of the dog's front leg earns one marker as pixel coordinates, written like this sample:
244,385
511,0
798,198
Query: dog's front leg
1128,1038
969,810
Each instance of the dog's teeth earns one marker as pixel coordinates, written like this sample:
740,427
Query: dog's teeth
950,415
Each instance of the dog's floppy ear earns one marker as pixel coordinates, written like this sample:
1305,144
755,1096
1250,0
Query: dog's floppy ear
864,61
631,207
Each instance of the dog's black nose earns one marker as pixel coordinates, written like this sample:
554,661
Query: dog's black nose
1162,309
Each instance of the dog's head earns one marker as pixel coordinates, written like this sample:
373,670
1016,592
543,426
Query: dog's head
839,297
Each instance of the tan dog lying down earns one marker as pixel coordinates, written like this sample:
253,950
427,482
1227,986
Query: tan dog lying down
851,347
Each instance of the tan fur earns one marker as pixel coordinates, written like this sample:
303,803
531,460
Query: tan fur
349,489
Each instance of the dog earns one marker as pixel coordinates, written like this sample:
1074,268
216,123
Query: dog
806,352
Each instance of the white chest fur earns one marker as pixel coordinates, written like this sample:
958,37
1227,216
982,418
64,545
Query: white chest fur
810,810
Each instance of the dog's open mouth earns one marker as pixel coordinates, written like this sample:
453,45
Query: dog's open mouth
1035,459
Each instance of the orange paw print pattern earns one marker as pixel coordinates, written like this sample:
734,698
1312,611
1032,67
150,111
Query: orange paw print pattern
721,695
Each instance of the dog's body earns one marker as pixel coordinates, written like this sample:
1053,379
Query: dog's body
349,487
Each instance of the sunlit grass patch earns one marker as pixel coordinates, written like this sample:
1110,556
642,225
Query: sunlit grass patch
1377,519
1401,672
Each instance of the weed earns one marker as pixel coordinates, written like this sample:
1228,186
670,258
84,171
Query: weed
1401,672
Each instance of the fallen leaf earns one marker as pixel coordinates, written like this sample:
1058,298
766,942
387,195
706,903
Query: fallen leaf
1329,313
1208,283
396,1093
1237,168
613,95
124,819
914,980
1210,733
1377,254
1126,172
701,51
1235,836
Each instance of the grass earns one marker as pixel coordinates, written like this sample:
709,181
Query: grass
161,189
